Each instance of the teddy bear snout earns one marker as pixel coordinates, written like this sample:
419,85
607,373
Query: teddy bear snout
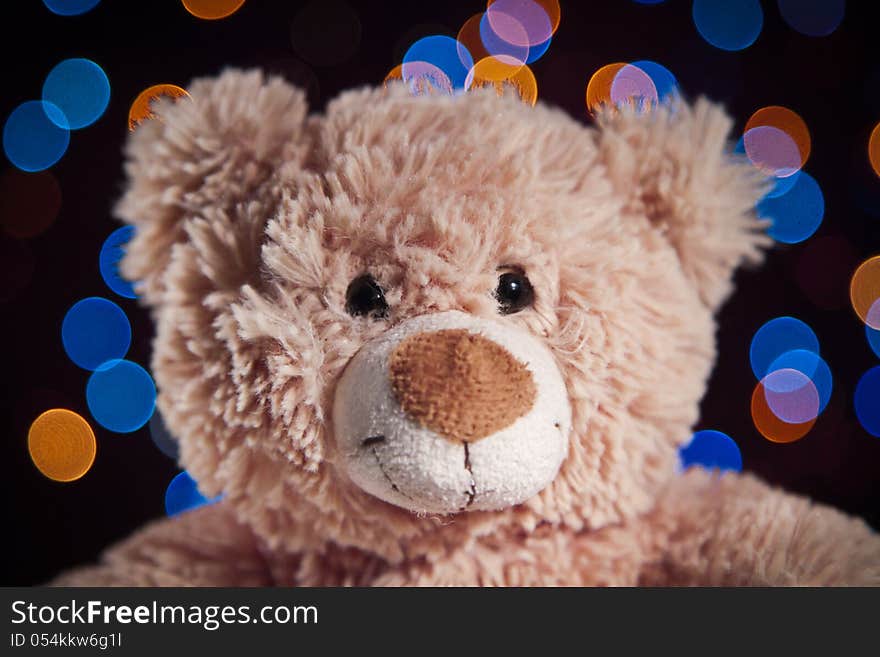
449,412
461,385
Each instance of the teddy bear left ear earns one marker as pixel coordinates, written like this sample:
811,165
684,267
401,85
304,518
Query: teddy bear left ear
200,174
674,164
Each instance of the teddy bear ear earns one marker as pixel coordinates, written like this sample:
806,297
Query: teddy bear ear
197,177
674,164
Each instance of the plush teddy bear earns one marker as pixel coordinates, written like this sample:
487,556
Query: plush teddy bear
431,340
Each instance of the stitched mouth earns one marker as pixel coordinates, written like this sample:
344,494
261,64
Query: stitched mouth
472,491
388,478
372,442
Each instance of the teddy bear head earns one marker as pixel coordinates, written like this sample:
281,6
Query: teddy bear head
412,320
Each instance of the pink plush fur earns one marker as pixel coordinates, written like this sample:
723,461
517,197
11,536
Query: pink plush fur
252,218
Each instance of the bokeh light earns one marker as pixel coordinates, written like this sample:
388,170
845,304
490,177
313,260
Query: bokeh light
774,150
797,214
470,43
443,52
326,32
29,202
423,79
62,444
31,140
395,73
728,25
663,79
509,48
111,253
864,292
791,395
492,69
862,180
212,9
183,494
525,23
777,337
162,437
873,337
867,401
140,109
70,7
770,426
121,396
471,48
782,186
812,366
537,51
812,17
599,86
94,331
874,149
80,89
550,8
711,449
632,84
641,84
523,82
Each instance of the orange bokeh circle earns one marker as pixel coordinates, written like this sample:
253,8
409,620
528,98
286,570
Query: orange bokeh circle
864,290
523,81
395,73
599,86
770,426
140,109
498,68
787,121
212,9
494,69
874,149
469,37
62,444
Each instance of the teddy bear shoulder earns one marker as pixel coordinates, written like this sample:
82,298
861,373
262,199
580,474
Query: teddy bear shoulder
732,529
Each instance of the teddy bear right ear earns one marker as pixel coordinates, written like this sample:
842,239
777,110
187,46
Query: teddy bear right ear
675,165
199,175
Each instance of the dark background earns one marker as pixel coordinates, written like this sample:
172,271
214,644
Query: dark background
832,82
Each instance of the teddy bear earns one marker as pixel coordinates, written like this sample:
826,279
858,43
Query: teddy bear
448,341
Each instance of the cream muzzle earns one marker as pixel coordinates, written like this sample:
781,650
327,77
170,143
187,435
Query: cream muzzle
449,412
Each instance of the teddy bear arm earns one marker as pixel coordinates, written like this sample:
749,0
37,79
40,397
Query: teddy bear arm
202,547
735,530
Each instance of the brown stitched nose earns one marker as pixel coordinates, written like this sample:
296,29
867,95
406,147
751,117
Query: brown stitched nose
461,385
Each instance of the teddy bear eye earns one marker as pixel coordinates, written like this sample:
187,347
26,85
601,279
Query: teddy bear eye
514,292
365,297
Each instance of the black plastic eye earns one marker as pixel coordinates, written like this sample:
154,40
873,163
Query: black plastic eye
514,292
365,297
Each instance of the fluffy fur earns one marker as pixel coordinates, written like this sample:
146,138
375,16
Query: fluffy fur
252,218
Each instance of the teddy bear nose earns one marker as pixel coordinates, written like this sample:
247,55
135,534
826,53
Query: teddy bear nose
459,384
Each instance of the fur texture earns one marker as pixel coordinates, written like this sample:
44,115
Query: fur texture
251,221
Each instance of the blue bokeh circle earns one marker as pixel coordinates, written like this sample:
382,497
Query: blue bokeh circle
31,139
121,396
711,449
80,89
94,331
